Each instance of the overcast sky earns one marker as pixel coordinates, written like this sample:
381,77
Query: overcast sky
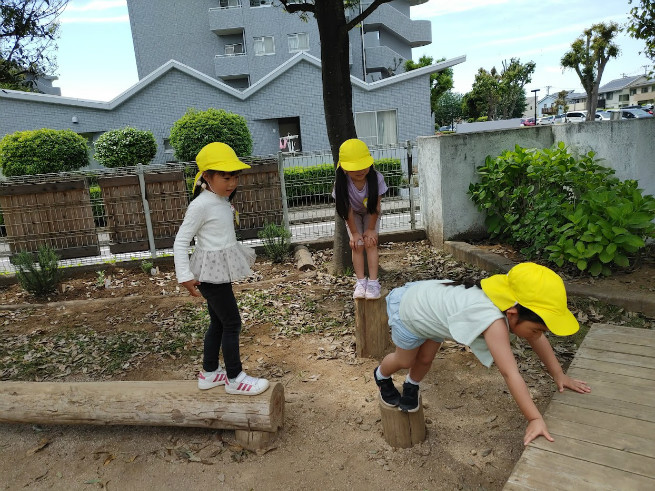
96,55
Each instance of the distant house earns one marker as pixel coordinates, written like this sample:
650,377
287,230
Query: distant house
617,93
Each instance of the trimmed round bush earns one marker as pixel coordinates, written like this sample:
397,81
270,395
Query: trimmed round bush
125,147
196,129
42,151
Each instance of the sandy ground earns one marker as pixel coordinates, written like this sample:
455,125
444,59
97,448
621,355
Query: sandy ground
332,438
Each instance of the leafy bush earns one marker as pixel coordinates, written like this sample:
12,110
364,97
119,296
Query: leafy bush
276,240
97,205
196,129
125,147
42,151
41,278
565,210
482,119
318,180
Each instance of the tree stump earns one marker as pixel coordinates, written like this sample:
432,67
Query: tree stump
303,259
372,338
402,430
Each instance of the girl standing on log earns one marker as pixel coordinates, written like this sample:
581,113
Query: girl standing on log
528,301
357,191
218,260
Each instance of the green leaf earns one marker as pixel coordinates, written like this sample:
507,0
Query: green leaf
621,260
581,264
595,268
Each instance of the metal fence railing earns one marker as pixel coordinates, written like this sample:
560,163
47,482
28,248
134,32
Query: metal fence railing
116,215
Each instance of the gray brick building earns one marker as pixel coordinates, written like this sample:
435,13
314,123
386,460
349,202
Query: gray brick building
188,57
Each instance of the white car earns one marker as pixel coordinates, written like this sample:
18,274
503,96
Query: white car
546,120
576,117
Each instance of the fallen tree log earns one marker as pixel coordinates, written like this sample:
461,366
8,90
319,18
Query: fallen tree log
153,403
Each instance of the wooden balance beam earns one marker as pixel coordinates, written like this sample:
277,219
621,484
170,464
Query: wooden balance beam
255,419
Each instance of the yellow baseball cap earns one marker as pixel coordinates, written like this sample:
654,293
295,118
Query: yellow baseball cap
354,155
537,288
218,156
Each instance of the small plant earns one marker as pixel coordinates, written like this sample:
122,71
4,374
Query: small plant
146,267
41,278
100,279
276,241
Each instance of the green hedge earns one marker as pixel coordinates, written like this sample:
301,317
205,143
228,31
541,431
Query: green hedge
318,180
125,147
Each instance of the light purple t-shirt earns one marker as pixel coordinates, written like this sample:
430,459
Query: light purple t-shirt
359,198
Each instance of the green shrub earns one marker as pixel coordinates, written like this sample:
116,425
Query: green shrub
317,181
276,240
482,119
42,151
196,129
97,205
563,209
125,147
41,278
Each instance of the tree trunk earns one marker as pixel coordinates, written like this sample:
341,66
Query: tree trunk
337,101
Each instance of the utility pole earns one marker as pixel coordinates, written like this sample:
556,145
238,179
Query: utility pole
548,89
535,104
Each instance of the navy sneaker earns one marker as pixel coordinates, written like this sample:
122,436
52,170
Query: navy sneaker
388,392
409,399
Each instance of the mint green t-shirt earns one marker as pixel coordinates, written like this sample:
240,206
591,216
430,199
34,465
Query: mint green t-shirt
429,309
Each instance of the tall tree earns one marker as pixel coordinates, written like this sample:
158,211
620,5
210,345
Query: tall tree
512,87
333,30
448,109
643,25
484,96
588,56
560,102
28,30
440,82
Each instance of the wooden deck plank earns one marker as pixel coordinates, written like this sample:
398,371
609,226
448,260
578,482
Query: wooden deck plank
605,439
606,366
611,356
592,433
540,469
599,454
582,415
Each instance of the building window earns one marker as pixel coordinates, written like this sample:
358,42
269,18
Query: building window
228,4
377,127
644,90
234,49
633,91
264,45
609,96
261,3
298,42
624,98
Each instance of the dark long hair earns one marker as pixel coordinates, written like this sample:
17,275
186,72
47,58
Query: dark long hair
198,189
525,314
341,192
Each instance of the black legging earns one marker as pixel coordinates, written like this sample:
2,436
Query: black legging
224,328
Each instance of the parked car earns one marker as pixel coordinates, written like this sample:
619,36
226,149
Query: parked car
559,119
632,113
576,116
648,108
528,122
448,128
546,120
603,116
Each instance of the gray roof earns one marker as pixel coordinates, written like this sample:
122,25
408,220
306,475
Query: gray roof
618,84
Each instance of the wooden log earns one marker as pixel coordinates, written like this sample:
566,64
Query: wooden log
303,258
402,430
372,338
152,403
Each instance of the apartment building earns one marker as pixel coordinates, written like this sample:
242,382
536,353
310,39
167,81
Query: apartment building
241,41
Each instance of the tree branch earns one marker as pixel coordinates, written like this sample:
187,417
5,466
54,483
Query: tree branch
298,7
363,15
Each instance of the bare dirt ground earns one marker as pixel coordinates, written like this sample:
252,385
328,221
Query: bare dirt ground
298,330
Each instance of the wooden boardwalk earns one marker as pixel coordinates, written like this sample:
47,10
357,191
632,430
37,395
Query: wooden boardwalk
604,440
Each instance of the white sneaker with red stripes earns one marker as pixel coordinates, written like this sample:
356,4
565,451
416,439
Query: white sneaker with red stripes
246,385
209,380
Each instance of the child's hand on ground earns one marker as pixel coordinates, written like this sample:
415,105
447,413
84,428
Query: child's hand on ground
370,238
191,285
356,242
564,381
536,428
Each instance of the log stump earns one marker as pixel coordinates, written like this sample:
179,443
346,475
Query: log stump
402,430
372,338
154,403
303,259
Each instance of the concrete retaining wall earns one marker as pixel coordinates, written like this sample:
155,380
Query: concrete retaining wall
447,165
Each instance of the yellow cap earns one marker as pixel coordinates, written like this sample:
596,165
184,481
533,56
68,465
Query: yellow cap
537,288
354,155
218,156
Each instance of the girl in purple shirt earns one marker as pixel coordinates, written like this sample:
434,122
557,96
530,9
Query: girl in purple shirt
357,191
